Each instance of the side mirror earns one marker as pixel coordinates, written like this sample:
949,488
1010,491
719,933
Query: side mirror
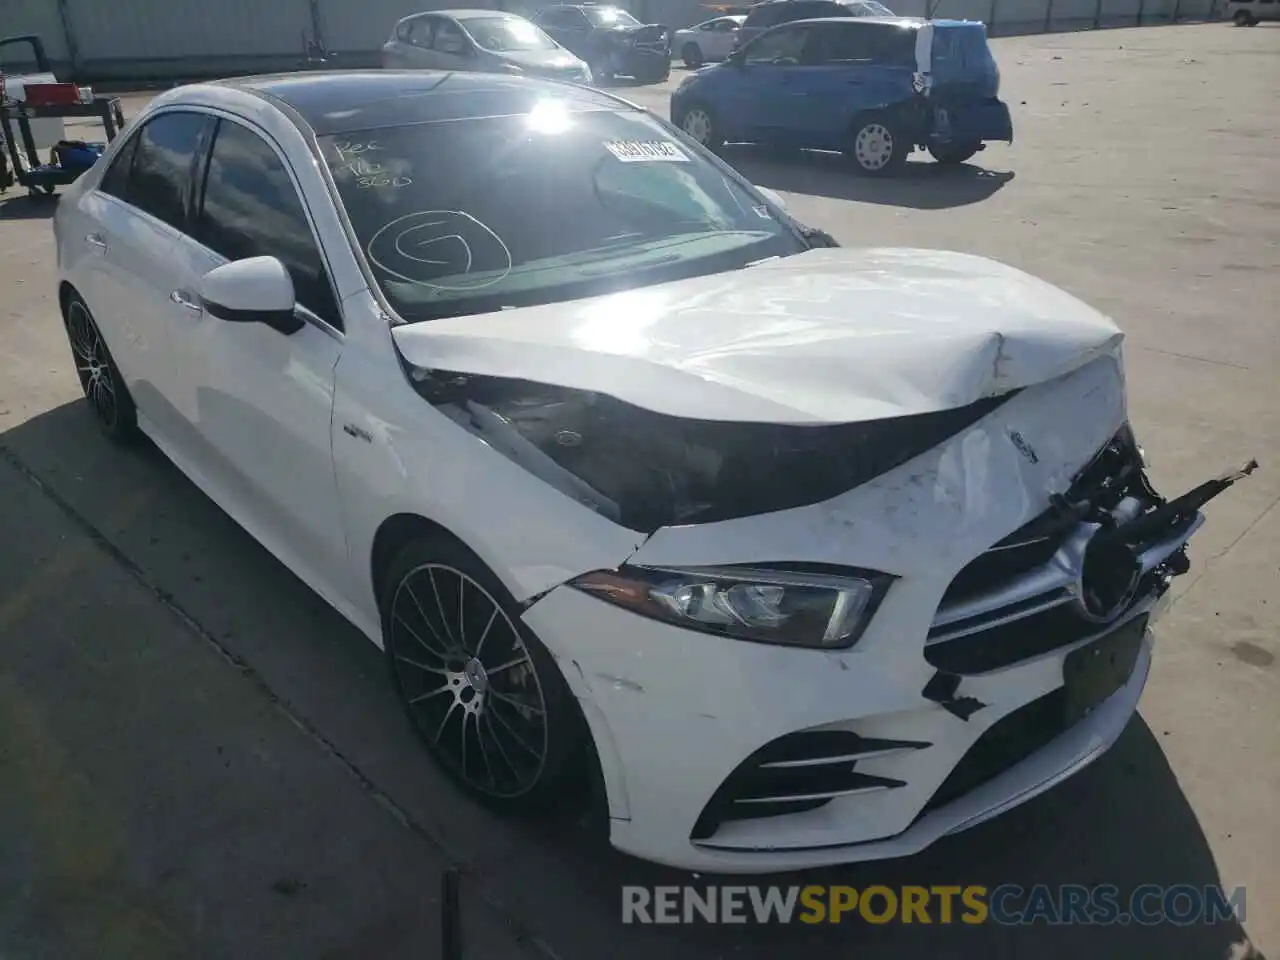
772,197
256,290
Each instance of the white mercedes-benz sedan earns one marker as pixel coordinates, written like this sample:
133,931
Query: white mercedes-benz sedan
806,554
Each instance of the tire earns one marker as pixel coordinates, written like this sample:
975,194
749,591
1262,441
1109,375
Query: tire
1244,18
699,122
692,56
597,65
103,387
955,153
878,147
480,690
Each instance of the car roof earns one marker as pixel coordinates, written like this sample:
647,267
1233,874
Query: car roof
340,101
906,22
470,13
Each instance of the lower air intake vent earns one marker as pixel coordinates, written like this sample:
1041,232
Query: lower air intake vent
795,773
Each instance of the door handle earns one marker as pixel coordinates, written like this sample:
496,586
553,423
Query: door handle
95,240
184,299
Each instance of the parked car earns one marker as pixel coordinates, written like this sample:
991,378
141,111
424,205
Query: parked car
810,554
1249,13
610,40
708,42
483,40
874,88
772,13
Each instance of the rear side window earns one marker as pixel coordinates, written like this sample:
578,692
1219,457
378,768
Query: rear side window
154,172
812,9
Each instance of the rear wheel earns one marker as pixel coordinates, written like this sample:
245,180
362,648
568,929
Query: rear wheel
955,152
482,692
692,54
699,122
109,400
1244,18
878,147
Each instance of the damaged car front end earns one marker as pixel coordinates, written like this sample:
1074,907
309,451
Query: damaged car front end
839,638
834,550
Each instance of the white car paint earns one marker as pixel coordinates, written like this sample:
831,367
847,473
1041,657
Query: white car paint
713,38
313,441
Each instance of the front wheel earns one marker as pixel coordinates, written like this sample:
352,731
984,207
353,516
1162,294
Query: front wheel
878,146
699,122
1244,18
954,152
483,694
692,55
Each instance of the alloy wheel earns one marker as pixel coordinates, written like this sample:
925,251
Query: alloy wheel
92,366
873,146
468,680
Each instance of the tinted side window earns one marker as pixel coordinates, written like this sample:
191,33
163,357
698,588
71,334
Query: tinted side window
252,209
421,30
160,175
893,46
848,44
767,15
116,180
784,46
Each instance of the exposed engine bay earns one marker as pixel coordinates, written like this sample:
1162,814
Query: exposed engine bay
646,470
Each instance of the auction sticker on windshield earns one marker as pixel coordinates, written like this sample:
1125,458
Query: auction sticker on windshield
639,151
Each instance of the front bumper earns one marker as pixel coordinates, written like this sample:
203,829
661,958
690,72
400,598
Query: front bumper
676,714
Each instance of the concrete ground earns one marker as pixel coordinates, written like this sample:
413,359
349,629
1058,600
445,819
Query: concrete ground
197,756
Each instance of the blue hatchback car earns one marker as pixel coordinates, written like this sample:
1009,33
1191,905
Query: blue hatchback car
875,88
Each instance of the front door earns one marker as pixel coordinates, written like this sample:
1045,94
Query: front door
260,403
764,94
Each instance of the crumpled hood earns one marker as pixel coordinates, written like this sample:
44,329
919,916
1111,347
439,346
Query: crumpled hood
827,336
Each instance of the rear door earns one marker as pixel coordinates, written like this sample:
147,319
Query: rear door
717,38
133,224
451,48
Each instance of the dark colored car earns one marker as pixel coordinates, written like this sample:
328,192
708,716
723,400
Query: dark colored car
773,13
611,41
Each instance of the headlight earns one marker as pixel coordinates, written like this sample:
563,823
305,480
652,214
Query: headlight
821,611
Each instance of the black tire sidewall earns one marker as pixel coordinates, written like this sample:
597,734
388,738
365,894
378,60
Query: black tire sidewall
564,768
694,62
954,154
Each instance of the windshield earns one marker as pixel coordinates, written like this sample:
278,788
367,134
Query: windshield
610,17
479,215
507,34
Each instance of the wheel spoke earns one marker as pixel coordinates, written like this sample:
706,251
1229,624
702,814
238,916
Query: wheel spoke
484,751
463,738
492,617
497,742
516,704
444,622
523,658
462,623
425,668
423,643
511,732
447,714
429,694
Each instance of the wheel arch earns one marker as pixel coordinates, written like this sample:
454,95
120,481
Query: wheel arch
400,529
